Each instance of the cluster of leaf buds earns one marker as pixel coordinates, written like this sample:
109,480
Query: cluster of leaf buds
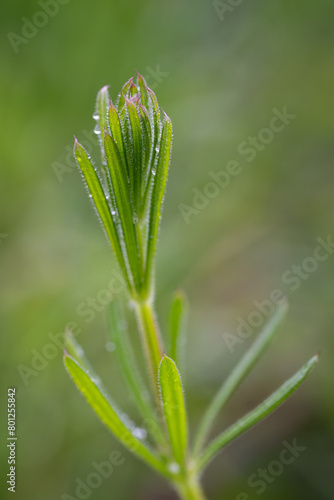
128,190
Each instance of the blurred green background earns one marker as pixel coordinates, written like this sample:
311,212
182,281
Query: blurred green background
218,70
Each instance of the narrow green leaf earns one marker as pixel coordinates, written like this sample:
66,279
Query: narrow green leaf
109,416
174,408
133,91
74,349
136,136
239,374
153,109
130,372
100,203
101,118
146,150
258,414
128,149
124,93
116,132
157,197
143,90
121,192
177,314
101,111
154,115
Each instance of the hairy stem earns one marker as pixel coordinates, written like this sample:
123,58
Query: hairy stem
151,341
190,489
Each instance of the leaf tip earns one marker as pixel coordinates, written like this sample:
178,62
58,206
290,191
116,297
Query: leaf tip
104,89
148,89
165,116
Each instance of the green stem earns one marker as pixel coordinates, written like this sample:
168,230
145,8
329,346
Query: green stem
190,489
151,341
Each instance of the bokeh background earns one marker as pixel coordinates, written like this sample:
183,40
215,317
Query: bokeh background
218,70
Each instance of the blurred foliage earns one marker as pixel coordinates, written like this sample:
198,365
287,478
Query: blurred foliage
231,73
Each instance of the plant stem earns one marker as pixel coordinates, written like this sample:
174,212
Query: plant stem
151,341
190,489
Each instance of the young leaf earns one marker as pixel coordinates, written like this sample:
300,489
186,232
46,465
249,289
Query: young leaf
143,90
177,314
256,415
136,136
154,115
238,374
146,151
158,193
75,350
130,372
117,134
128,148
153,109
133,91
109,416
174,408
97,195
121,193
101,113
124,92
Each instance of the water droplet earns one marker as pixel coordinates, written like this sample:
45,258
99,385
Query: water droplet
174,468
139,433
96,116
97,130
110,346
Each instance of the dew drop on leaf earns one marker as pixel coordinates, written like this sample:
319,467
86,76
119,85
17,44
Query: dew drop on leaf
174,468
110,346
139,433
